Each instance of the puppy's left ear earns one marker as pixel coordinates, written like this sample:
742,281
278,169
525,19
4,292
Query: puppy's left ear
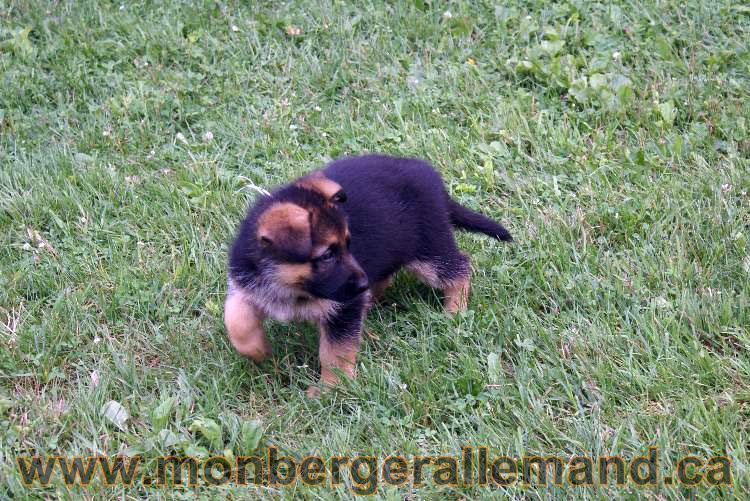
317,181
285,227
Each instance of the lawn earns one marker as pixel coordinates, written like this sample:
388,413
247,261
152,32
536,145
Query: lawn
611,138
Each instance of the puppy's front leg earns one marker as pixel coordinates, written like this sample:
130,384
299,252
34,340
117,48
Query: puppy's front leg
337,354
339,342
244,324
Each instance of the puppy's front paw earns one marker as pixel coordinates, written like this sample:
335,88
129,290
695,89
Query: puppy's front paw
258,353
313,391
245,328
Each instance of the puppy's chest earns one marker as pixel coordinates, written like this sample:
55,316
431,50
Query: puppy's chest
285,305
299,308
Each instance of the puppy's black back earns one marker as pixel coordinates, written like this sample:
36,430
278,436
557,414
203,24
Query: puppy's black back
398,211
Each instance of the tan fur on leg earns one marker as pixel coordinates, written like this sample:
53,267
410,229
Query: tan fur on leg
244,324
456,290
378,289
340,355
426,272
457,295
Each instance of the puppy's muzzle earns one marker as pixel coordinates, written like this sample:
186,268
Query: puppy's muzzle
357,283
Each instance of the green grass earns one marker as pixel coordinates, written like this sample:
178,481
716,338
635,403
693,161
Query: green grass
611,138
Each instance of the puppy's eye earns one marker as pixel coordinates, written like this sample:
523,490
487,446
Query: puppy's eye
327,256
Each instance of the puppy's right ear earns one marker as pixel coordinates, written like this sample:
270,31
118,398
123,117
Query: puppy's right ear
317,181
285,227
339,197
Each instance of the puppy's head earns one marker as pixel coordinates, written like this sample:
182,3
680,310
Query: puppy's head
305,237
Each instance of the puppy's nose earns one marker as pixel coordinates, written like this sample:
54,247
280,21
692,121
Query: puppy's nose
362,284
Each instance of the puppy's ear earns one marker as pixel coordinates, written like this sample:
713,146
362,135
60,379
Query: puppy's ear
285,228
317,181
339,197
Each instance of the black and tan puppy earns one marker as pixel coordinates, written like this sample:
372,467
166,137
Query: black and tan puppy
321,247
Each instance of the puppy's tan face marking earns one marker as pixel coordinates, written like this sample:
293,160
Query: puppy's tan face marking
317,181
293,274
331,238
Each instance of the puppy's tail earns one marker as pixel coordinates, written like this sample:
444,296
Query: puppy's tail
467,219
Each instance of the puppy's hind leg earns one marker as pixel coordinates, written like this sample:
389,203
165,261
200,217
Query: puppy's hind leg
244,323
456,288
450,272
378,289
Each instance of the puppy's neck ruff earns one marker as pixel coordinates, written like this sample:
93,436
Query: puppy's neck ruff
281,302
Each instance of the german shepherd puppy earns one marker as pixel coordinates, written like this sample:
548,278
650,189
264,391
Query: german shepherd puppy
322,247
